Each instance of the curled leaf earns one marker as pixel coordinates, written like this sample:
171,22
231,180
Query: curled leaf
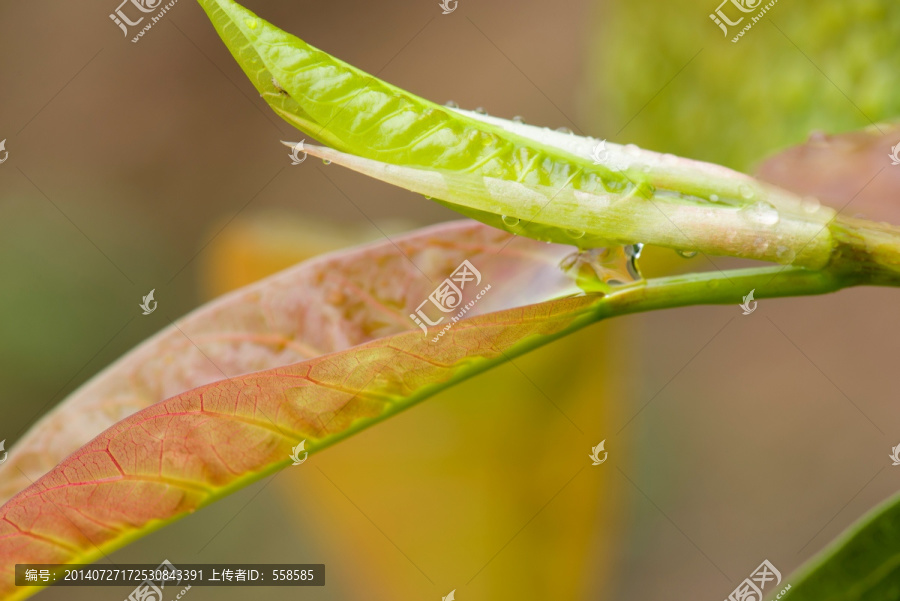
513,177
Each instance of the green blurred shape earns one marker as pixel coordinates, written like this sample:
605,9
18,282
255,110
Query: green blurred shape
664,76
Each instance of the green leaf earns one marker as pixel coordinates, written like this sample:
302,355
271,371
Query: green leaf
862,565
513,177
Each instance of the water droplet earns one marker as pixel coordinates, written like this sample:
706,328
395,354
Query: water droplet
510,221
564,130
451,105
518,119
427,197
810,204
599,268
762,213
575,234
687,254
632,149
251,23
480,110
634,250
645,168
714,198
746,191
326,161
785,254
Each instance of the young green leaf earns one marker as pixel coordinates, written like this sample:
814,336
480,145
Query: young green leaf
319,306
518,178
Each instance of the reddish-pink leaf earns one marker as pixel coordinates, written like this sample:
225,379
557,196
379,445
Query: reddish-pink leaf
178,455
319,306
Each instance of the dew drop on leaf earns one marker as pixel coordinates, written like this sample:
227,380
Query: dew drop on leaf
761,213
810,204
510,221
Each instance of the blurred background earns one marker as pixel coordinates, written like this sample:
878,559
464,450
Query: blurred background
732,439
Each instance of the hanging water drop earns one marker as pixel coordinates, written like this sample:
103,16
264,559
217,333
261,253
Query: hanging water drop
451,105
576,234
510,221
518,119
564,130
746,191
480,110
634,250
687,254
326,161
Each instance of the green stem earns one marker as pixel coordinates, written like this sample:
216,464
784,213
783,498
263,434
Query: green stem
720,288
